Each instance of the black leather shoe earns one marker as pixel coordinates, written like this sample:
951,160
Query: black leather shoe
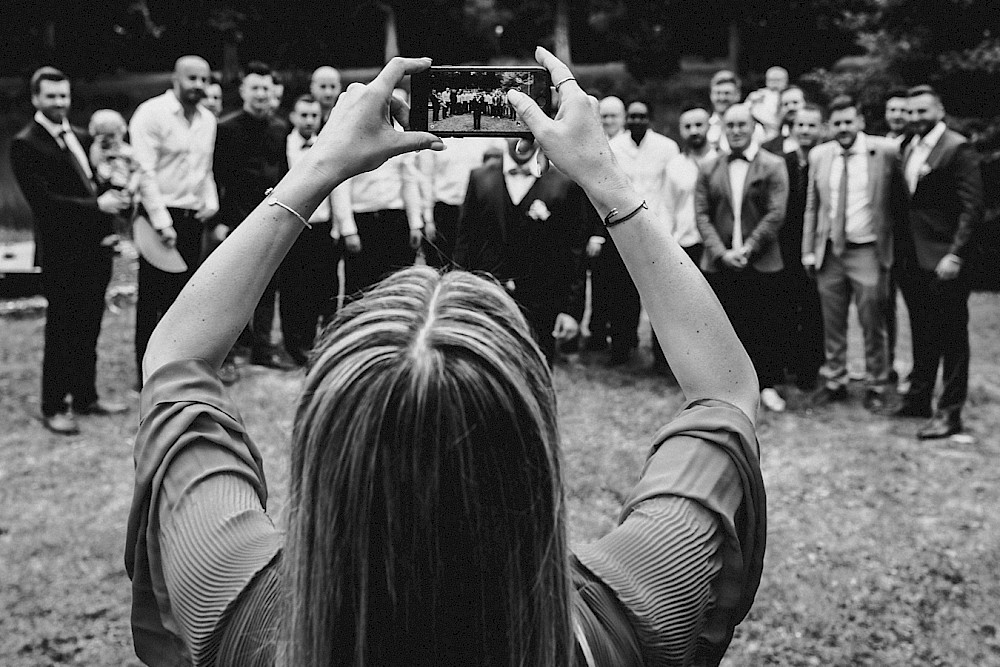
61,423
274,361
101,407
940,426
907,409
874,401
826,395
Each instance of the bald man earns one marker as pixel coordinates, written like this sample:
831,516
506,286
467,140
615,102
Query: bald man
174,139
325,87
612,115
765,102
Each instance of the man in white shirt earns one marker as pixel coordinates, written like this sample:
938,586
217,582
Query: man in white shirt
612,111
643,154
325,87
897,115
309,273
444,179
174,139
739,204
73,226
724,91
852,206
682,178
381,221
765,102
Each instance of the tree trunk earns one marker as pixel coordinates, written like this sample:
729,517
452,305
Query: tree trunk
49,39
561,31
391,32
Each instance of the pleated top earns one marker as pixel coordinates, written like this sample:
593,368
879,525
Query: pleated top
667,586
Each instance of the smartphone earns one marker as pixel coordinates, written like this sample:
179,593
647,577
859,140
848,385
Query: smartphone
472,101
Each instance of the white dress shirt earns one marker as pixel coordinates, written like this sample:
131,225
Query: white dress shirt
394,186
859,227
738,170
922,147
646,165
295,147
682,177
445,174
178,153
520,181
63,134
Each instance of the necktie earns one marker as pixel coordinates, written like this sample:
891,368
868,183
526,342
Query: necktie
838,233
523,170
81,172
737,155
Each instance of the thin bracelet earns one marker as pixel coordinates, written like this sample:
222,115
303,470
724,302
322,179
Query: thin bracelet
608,222
274,202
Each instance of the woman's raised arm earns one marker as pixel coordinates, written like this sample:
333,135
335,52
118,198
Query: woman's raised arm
219,299
698,340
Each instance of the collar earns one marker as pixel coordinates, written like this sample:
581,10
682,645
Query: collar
750,152
859,147
174,106
509,163
298,140
931,138
710,154
52,128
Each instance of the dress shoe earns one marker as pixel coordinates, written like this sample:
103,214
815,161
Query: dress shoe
874,401
101,407
940,426
61,423
228,373
826,395
772,400
908,409
274,360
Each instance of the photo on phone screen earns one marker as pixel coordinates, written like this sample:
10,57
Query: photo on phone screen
468,101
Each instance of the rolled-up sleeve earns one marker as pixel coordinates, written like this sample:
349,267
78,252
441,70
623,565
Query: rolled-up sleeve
685,560
198,533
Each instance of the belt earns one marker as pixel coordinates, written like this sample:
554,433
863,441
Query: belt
181,212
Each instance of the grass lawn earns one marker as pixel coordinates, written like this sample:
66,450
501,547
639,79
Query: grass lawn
881,550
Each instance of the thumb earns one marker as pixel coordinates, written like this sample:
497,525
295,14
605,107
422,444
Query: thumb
528,111
416,141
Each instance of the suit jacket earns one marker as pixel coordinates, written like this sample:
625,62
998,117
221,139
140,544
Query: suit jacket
249,158
69,226
790,234
765,194
543,257
947,205
886,197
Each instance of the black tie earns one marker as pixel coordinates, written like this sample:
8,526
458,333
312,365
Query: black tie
737,155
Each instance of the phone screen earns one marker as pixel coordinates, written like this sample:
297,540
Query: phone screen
472,101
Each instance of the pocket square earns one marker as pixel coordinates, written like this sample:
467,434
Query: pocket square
539,211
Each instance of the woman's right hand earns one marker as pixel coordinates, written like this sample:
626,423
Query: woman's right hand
574,140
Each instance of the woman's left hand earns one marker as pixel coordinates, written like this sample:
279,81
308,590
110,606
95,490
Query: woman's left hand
359,135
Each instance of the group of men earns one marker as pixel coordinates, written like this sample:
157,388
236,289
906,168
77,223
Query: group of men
788,228
793,212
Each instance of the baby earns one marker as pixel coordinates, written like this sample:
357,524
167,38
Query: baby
115,167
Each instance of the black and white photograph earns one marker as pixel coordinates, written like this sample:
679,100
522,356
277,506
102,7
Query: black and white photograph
604,333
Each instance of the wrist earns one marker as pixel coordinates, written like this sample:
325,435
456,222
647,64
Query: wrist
610,191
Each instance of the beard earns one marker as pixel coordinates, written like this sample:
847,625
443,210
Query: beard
696,141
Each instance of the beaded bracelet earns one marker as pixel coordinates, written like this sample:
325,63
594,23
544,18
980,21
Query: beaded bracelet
608,222
272,201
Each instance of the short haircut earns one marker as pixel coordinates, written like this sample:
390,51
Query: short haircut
841,102
726,76
812,106
923,89
791,87
641,100
106,121
306,99
894,93
694,107
45,74
259,68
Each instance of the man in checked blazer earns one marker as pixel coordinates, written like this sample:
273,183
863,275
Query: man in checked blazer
854,201
945,206
528,230
741,259
73,230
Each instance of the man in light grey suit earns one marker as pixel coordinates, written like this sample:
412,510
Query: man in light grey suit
854,200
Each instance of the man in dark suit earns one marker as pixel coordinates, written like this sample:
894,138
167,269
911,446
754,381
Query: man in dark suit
528,231
803,315
946,205
477,106
740,203
74,231
250,158
854,202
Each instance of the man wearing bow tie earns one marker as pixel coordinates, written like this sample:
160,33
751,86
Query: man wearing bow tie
528,229
854,198
739,204
945,206
73,230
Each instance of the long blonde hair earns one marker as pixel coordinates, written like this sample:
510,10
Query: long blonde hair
426,518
